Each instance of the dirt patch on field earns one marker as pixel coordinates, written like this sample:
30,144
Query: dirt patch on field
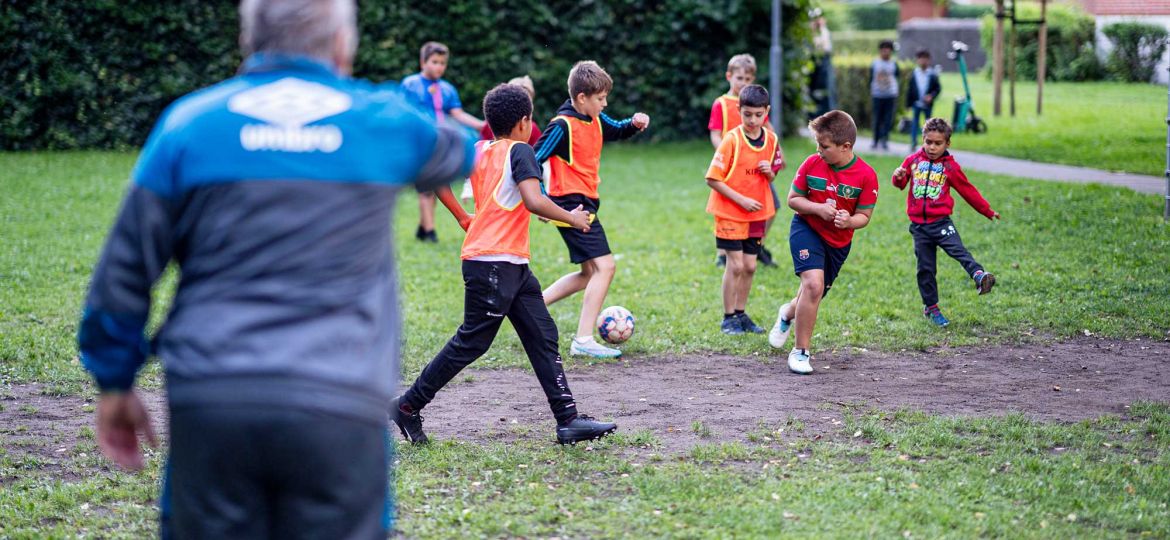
728,396
731,396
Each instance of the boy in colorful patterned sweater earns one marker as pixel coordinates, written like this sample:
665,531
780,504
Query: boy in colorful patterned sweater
931,172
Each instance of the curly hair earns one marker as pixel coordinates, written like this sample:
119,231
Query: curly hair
937,125
504,106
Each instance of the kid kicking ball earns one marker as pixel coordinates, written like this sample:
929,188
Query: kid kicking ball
615,324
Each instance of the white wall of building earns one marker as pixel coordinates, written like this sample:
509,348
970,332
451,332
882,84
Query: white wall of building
1104,46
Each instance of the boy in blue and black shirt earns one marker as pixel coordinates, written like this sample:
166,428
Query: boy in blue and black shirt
438,98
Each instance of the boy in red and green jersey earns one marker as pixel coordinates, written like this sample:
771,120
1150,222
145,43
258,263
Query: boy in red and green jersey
833,194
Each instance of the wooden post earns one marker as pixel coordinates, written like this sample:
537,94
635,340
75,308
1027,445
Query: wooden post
1013,45
1042,57
997,60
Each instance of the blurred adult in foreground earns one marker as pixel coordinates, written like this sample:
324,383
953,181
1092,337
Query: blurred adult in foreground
272,192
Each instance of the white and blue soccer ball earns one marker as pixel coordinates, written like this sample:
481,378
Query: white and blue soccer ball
615,324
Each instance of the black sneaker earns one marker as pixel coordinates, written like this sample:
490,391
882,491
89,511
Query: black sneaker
748,325
765,257
420,234
583,428
409,423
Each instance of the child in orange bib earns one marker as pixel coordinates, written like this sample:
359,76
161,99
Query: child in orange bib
572,146
740,178
498,282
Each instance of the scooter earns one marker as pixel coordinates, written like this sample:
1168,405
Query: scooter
964,118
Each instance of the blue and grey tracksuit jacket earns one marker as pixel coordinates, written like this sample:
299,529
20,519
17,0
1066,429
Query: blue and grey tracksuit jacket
272,191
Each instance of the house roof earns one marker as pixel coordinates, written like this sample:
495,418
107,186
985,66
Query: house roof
1127,7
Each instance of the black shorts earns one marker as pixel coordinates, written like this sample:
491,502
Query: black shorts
749,246
583,246
810,252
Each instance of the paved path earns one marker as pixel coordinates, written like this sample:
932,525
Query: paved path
1031,169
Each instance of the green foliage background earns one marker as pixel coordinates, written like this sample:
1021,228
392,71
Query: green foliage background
1071,52
853,94
96,74
1137,49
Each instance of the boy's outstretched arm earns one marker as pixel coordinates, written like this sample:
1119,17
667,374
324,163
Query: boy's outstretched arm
614,130
901,175
969,192
465,118
448,198
537,203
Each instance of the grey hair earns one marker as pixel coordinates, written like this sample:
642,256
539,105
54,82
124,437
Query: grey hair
296,26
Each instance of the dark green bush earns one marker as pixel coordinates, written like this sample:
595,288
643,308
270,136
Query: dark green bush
874,16
853,87
968,11
96,74
1071,52
1137,49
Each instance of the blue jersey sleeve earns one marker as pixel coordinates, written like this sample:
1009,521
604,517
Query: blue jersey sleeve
450,97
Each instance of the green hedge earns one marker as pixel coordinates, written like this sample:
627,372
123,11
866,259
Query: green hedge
861,42
96,74
853,87
1137,49
1071,52
874,16
969,11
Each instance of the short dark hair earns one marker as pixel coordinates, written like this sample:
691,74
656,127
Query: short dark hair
838,125
922,53
886,44
753,95
504,106
430,49
937,125
588,78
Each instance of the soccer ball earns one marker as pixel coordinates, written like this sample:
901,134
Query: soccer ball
615,324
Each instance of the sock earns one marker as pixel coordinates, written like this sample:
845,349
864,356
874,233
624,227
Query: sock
581,340
728,316
739,312
978,274
802,351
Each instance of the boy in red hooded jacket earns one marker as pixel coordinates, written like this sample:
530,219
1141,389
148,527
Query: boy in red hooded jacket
931,172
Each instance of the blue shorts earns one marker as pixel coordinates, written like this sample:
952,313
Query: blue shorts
810,252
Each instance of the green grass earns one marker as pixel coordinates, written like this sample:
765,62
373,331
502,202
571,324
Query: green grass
1103,125
1069,258
907,474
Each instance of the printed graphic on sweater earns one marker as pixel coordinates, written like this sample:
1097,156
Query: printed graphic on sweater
928,180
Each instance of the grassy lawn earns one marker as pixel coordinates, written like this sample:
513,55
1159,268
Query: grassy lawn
1103,125
1069,257
884,475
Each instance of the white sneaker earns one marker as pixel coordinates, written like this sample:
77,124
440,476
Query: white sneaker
779,333
798,362
594,349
